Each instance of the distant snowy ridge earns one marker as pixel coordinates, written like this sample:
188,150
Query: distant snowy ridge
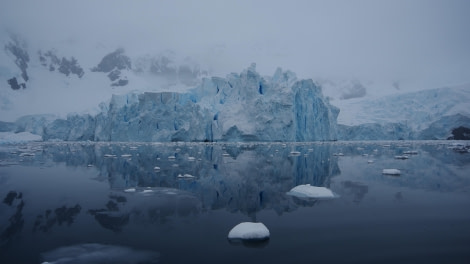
417,109
427,114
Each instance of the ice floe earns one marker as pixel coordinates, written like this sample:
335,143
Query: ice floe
308,191
185,176
99,253
391,171
249,231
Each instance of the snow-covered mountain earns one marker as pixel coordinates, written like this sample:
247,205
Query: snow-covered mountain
102,93
65,78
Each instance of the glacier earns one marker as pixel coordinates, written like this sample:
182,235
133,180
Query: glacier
240,107
422,115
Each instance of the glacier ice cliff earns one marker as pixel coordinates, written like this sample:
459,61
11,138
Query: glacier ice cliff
240,107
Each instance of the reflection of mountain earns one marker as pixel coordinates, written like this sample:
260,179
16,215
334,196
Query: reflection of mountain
109,217
16,221
61,215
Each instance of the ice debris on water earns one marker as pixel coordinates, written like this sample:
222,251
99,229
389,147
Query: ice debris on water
156,168
249,231
308,191
410,152
130,190
185,176
391,171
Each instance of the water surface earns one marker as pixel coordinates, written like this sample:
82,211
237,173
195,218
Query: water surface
75,200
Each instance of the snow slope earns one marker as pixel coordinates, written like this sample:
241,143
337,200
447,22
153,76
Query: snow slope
416,109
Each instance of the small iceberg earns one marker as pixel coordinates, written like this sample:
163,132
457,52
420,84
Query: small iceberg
191,158
171,157
156,168
27,154
109,156
391,172
130,190
295,153
308,191
185,176
249,231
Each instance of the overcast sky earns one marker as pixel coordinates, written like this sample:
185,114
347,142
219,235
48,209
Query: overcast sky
397,39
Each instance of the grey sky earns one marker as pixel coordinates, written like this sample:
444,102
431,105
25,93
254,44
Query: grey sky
398,39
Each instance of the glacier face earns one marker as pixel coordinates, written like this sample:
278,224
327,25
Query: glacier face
241,107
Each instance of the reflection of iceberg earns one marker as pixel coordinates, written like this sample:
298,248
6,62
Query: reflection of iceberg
98,253
308,191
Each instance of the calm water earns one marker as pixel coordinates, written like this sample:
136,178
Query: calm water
68,201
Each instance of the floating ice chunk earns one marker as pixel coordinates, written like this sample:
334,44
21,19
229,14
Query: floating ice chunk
370,161
191,158
249,231
338,154
27,154
147,191
126,155
308,191
109,156
391,171
403,157
90,165
171,157
410,152
186,176
226,155
130,190
295,153
156,168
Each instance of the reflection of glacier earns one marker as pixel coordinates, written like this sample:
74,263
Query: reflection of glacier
238,177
